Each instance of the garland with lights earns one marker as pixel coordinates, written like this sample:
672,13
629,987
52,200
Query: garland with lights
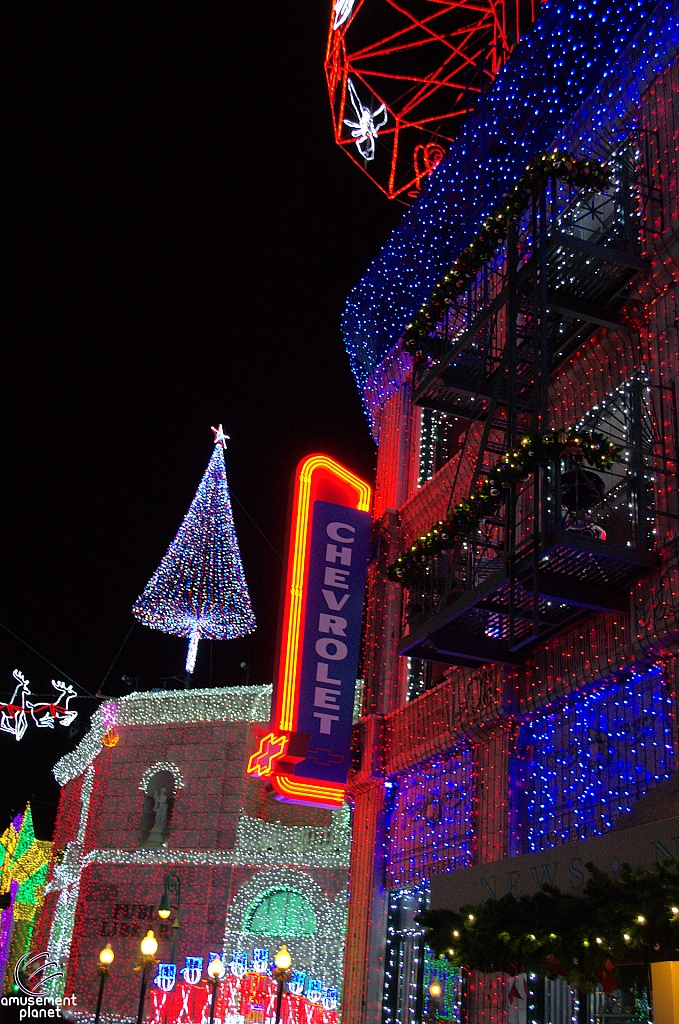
579,173
601,936
514,466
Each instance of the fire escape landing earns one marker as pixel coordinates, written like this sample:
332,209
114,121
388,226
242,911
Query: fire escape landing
568,540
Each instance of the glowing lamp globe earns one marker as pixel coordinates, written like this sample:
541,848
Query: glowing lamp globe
435,989
106,956
148,945
283,958
216,970
110,737
164,910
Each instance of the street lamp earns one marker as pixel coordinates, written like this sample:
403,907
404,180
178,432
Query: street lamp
281,975
216,971
173,887
105,960
149,948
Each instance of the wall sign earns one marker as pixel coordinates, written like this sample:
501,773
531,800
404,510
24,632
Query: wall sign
559,866
305,752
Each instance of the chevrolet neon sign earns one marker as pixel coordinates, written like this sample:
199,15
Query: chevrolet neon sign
311,698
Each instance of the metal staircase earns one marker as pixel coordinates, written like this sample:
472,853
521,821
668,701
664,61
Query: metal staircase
566,541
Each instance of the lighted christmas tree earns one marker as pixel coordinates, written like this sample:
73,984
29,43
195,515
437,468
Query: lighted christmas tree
199,589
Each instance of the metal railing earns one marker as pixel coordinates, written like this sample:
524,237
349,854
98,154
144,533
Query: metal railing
630,506
576,224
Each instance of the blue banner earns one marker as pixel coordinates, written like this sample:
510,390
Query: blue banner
338,558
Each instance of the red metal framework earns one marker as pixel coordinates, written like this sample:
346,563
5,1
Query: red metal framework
403,73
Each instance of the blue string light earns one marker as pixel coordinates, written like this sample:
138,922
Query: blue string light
581,766
429,819
199,589
569,52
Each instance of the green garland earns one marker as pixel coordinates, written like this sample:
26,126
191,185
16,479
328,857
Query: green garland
580,173
599,936
513,467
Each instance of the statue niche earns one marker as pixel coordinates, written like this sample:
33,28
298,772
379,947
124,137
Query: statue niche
157,816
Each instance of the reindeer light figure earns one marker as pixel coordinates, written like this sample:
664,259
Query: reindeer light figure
46,714
13,717
13,713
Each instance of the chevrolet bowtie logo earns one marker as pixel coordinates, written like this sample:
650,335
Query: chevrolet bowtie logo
271,748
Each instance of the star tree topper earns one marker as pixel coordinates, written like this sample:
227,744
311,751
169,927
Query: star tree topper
220,436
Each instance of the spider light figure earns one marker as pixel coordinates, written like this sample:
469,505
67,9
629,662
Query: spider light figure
366,129
424,64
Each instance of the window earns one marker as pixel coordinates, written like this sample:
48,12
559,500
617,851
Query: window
281,912
439,440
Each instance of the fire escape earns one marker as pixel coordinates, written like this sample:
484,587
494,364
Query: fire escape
567,541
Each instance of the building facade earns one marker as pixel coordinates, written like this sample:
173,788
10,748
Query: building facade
158,788
522,620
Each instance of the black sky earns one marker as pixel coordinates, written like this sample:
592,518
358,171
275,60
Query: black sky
180,247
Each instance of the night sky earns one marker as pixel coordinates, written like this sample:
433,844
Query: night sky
180,248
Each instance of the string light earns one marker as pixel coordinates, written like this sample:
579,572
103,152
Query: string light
307,859
451,68
239,998
527,107
56,933
199,589
14,713
23,871
162,766
320,952
562,749
581,764
227,704
428,820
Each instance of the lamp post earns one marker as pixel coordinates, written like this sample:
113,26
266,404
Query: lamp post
173,887
105,960
216,972
281,975
149,948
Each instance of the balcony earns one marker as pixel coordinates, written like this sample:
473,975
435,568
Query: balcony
564,272
567,542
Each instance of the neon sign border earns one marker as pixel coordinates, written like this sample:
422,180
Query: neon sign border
288,787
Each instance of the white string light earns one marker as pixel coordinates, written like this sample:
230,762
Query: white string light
223,704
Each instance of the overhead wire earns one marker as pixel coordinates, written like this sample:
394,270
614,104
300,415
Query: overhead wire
242,507
43,658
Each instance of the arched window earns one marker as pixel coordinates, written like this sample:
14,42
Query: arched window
281,912
158,804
